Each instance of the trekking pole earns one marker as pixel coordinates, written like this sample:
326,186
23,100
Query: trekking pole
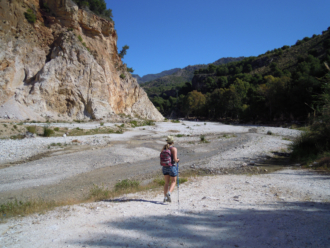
178,187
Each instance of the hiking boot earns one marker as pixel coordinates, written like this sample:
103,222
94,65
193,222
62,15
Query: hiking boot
168,195
165,199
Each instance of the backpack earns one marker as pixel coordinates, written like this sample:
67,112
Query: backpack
166,158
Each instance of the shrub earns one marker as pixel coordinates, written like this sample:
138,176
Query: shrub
122,76
30,16
45,7
130,69
79,38
309,145
269,133
202,137
15,126
32,129
101,123
56,129
148,123
48,132
134,123
179,135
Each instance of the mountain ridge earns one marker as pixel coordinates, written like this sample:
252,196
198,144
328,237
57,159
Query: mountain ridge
185,74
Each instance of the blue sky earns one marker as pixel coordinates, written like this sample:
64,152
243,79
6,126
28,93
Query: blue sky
169,34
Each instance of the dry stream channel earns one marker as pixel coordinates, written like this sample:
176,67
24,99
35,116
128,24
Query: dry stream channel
69,172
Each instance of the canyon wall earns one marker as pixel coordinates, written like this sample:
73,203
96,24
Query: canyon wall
64,66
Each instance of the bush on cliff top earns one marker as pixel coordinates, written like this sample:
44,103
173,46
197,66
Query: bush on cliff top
99,7
30,16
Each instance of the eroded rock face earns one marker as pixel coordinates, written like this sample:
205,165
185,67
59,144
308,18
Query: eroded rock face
64,66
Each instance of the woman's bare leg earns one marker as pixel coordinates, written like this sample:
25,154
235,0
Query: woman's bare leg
173,182
167,182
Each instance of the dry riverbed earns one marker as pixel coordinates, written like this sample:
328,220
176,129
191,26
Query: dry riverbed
237,206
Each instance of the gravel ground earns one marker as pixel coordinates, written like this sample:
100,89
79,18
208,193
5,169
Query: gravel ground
229,146
20,150
289,208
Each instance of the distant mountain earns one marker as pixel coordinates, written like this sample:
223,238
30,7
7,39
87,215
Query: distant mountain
185,74
150,77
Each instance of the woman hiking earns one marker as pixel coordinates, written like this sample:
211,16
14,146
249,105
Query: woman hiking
170,172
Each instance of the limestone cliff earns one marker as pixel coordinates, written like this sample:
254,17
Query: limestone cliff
64,66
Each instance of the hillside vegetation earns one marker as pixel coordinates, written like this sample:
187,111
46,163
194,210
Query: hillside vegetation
279,85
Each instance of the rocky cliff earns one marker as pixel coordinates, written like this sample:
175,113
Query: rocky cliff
64,66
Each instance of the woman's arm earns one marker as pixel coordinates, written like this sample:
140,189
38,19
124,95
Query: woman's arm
175,155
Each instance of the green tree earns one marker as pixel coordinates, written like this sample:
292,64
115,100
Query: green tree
222,82
123,51
194,103
275,92
212,68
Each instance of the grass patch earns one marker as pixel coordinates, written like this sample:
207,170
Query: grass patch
17,137
55,144
179,135
161,182
99,192
175,121
126,184
135,123
19,208
32,129
103,130
101,124
56,129
96,193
